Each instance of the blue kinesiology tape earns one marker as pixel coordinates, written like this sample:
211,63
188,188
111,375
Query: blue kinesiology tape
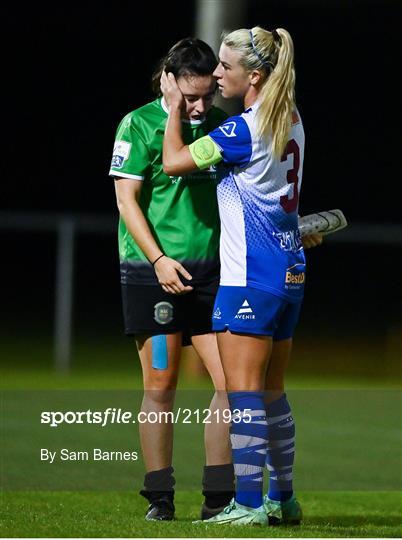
159,352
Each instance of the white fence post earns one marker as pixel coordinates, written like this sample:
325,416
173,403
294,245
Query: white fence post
212,18
64,294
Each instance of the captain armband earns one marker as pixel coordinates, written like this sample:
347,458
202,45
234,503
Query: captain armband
205,152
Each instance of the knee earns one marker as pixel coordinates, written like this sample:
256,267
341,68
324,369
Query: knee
242,380
219,382
160,388
249,384
219,401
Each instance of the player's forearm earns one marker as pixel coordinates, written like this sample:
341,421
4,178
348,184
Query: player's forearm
138,227
176,156
172,141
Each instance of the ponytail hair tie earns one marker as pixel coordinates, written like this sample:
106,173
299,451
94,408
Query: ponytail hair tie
276,36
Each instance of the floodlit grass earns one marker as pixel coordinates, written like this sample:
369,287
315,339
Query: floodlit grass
112,363
114,515
348,445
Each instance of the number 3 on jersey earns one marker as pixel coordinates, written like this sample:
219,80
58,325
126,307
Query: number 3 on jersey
290,205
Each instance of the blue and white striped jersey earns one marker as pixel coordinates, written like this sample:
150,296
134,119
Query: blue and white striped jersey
258,199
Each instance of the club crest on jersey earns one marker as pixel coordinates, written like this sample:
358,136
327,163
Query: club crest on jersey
163,312
245,312
295,276
228,129
121,152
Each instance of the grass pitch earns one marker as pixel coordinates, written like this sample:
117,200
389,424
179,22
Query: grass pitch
348,459
114,515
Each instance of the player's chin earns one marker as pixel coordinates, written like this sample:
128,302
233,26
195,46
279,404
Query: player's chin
227,93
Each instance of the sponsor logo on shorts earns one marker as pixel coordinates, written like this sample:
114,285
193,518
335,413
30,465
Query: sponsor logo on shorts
217,313
245,312
295,276
163,312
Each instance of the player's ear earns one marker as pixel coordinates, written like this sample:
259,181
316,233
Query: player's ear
255,77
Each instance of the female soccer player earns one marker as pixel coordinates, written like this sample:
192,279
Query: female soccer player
262,259
169,265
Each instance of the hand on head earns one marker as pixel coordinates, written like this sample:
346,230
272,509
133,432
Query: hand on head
170,90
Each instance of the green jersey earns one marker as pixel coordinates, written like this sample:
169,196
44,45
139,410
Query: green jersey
181,211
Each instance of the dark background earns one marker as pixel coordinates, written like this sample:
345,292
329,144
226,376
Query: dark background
71,74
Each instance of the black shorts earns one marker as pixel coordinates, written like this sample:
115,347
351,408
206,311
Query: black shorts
149,310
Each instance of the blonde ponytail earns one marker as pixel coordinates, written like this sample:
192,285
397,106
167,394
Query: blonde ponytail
272,53
277,96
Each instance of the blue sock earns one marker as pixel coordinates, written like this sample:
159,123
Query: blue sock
280,449
248,436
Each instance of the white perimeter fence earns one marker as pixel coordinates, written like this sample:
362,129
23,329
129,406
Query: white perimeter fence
66,226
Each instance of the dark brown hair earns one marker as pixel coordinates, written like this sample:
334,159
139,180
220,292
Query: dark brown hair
188,57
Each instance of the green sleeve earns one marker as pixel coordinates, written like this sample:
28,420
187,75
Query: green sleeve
205,152
130,154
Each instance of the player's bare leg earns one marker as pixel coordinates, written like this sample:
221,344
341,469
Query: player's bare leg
217,447
278,364
218,477
159,394
245,359
160,380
